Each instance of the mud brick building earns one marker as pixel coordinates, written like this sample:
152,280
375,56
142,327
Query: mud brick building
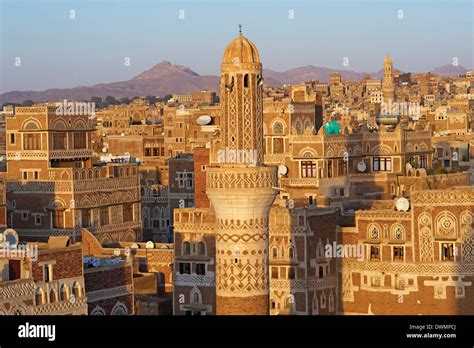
49,283
54,187
415,262
108,279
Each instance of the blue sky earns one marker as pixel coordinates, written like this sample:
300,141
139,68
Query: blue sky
57,51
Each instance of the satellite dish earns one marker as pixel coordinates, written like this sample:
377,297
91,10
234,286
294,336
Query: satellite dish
282,169
203,120
403,204
150,245
11,237
134,249
361,166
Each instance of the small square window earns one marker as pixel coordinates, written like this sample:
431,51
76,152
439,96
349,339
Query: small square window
24,216
398,253
374,253
185,268
291,273
200,269
447,252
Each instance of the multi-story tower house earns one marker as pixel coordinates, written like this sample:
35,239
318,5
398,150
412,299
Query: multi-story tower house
388,84
54,188
415,262
44,279
240,187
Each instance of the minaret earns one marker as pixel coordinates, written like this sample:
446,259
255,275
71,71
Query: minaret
239,186
388,85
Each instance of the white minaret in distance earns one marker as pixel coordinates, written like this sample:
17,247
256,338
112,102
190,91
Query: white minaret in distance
239,186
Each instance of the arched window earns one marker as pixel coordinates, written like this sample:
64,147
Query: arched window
186,248
119,309
320,250
53,296
195,296
98,311
39,296
278,128
374,232
275,252
64,292
76,290
291,253
298,127
323,300
398,233
331,302
315,304
202,248
31,125
246,80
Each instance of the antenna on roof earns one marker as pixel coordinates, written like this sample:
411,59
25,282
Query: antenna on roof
240,29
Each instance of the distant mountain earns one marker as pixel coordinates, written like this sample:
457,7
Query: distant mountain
449,70
166,78
162,79
310,72
164,70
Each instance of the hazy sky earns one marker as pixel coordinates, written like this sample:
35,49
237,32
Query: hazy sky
57,51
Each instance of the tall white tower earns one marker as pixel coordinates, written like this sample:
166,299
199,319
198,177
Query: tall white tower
240,187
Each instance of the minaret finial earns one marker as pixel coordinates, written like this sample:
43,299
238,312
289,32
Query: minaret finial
240,29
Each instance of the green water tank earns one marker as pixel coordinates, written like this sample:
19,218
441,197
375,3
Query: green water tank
332,127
